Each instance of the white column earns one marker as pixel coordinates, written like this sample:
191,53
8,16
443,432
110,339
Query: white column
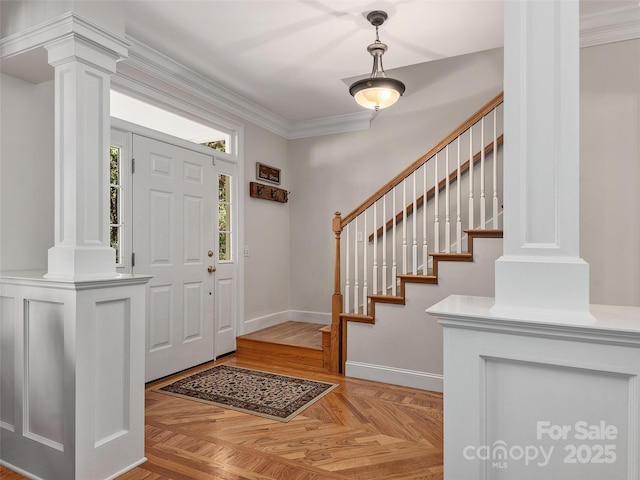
82,78
541,273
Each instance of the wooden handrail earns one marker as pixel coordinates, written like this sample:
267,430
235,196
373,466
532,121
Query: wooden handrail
497,100
453,176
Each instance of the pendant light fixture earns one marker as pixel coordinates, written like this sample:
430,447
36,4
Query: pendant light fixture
378,91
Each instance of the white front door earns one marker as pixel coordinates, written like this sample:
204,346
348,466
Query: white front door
174,239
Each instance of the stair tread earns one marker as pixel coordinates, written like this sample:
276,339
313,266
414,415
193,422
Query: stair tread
291,333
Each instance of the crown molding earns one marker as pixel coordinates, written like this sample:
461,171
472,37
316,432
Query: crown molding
610,26
328,125
166,70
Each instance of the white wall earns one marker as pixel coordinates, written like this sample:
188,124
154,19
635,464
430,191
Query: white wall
338,172
26,173
266,229
610,171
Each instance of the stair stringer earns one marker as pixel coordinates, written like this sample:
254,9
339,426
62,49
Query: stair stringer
403,345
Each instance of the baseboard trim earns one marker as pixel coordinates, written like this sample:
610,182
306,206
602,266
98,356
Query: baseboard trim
310,317
20,471
126,469
258,323
396,376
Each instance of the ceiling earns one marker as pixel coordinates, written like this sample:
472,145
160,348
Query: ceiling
296,58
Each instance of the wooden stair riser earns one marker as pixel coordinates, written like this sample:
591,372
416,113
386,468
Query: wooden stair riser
279,354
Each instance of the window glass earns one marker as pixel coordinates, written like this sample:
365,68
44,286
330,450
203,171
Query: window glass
225,219
142,113
115,202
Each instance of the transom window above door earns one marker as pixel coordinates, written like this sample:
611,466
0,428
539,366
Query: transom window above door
141,113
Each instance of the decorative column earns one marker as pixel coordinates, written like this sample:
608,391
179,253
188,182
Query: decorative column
83,64
541,273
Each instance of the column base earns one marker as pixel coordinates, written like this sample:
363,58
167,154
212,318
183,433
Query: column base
547,288
81,263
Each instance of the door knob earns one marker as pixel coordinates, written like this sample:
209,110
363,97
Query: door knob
210,253
211,269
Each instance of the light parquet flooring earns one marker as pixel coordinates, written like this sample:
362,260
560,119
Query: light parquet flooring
360,430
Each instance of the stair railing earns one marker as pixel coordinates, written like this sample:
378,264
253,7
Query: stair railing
376,250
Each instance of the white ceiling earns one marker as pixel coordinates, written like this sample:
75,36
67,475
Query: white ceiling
297,58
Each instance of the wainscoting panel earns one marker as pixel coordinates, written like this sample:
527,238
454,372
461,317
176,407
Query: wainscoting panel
112,340
7,362
44,396
573,405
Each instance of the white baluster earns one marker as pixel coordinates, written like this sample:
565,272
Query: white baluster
394,242
425,249
375,247
384,245
404,226
414,250
459,200
436,206
447,216
356,284
347,283
471,169
483,206
365,268
495,168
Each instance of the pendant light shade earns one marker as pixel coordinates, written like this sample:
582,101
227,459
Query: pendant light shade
377,91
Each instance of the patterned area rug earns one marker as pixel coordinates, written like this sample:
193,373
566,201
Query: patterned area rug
278,397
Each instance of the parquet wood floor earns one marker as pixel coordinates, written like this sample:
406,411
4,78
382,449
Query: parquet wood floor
361,430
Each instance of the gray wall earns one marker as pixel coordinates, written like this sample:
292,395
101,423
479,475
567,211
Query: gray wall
26,173
610,171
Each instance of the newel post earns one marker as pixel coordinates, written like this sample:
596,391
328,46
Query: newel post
336,303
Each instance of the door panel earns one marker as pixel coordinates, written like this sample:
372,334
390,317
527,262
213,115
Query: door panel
174,200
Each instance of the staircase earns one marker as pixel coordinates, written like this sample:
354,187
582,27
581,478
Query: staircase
448,203
448,199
